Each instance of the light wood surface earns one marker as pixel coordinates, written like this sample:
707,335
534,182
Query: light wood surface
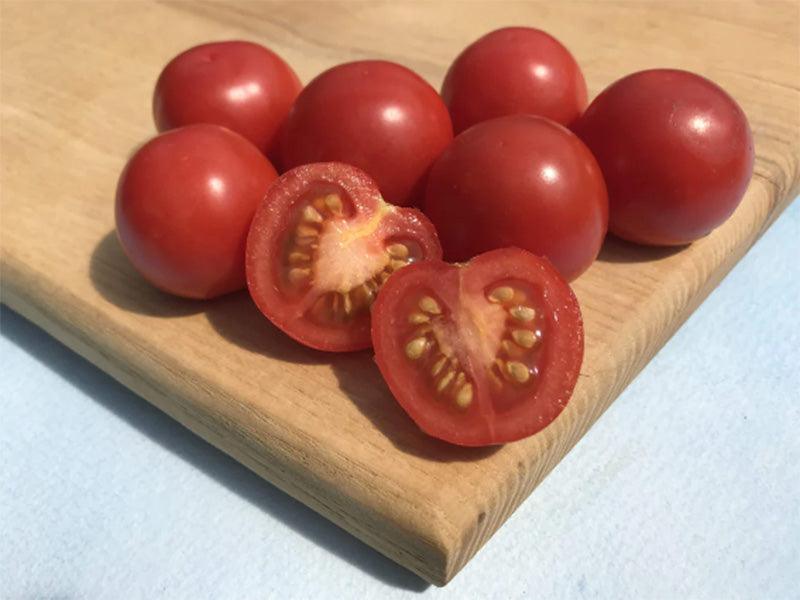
76,85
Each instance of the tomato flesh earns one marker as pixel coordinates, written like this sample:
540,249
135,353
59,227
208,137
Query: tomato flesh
480,353
321,245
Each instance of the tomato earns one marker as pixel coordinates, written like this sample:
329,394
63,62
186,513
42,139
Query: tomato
184,205
519,181
321,245
480,353
511,71
240,85
676,152
375,115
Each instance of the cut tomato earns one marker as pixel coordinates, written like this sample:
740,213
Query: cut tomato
320,246
480,353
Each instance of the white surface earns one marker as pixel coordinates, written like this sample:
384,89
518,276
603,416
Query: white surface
686,487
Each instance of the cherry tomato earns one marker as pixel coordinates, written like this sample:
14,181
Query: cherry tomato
515,70
184,205
375,115
480,353
240,85
519,181
321,245
676,152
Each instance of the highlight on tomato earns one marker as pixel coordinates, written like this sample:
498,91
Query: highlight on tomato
321,245
480,353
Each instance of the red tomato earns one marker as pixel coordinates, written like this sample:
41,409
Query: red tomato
512,71
676,152
519,181
240,85
480,353
184,205
321,245
376,115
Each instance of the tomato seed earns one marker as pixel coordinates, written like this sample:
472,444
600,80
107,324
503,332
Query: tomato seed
445,381
334,203
398,251
501,294
416,348
429,305
524,337
311,214
518,371
464,396
523,313
418,318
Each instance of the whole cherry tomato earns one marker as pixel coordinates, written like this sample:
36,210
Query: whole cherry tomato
322,244
515,70
376,115
480,353
519,181
676,152
240,85
184,205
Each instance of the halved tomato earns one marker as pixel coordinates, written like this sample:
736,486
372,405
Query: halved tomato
322,243
480,353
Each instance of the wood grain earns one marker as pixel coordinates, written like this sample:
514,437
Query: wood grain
76,85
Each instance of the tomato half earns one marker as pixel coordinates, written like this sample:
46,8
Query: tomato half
514,70
519,181
676,152
184,205
378,116
240,85
480,353
321,245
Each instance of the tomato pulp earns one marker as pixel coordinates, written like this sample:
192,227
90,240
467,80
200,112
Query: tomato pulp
480,353
184,205
240,85
378,116
514,70
520,181
321,245
676,152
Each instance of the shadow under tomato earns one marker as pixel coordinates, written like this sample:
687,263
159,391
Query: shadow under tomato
236,318
360,379
114,277
617,250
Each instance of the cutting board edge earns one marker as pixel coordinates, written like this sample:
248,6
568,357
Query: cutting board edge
424,552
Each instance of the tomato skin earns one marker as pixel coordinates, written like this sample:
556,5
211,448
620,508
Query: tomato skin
556,380
184,204
376,115
514,70
268,235
676,152
240,85
520,181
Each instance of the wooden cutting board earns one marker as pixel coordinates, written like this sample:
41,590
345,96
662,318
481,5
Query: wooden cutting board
76,85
